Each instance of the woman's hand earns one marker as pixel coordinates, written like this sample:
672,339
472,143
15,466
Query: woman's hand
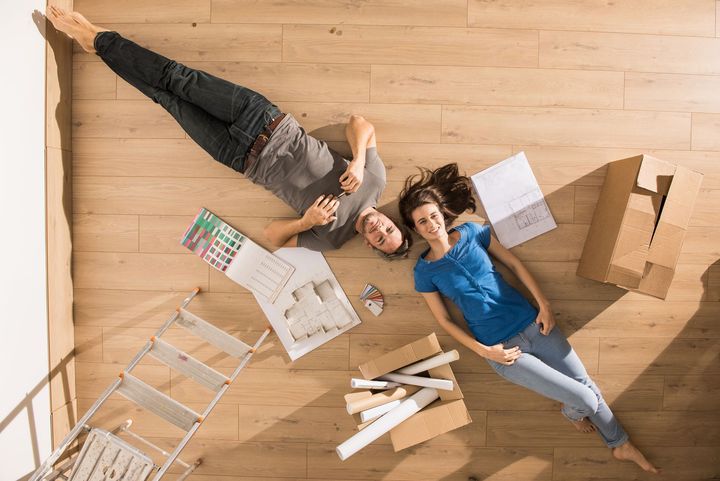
321,212
546,320
499,354
352,179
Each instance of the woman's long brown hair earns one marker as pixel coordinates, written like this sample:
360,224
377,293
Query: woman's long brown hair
443,186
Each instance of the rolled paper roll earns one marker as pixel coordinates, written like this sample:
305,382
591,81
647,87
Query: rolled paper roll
356,383
380,398
378,411
429,363
442,384
382,425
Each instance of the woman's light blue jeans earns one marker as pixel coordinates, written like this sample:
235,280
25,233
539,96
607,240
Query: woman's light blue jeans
549,366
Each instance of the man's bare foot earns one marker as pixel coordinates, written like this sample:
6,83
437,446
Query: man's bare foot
74,26
584,425
628,452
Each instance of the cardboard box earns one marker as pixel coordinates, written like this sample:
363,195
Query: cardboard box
445,414
639,224
401,357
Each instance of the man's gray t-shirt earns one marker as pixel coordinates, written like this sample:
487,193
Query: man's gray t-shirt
298,169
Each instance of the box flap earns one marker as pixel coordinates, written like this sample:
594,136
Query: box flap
607,219
445,372
656,281
438,418
401,357
633,239
655,175
675,217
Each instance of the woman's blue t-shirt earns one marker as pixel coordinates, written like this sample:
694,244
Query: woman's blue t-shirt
493,310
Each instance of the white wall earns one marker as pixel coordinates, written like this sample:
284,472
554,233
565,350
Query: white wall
25,433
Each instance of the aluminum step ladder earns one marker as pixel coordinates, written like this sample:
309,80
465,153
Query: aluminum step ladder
104,456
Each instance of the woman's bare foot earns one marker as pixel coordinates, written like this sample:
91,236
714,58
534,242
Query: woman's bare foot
584,425
628,452
74,26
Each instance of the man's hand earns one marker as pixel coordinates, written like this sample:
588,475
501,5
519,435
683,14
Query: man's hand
322,211
546,319
352,179
499,354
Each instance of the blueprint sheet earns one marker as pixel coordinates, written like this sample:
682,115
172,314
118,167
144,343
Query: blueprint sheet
512,199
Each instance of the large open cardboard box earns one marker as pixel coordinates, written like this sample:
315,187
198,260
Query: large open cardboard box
639,224
447,413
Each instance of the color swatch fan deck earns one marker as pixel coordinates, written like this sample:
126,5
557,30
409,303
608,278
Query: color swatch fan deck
241,259
372,299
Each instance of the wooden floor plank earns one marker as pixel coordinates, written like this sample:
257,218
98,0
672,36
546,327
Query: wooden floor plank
496,86
659,356
376,12
634,53
677,463
567,127
646,428
200,41
105,233
410,45
686,17
648,318
706,131
139,11
123,119
255,460
691,393
93,81
138,271
459,463
682,93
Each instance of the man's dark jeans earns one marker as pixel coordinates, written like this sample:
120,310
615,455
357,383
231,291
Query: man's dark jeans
223,118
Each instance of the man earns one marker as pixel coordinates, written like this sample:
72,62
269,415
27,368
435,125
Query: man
243,130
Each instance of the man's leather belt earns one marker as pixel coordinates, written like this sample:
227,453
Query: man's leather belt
261,141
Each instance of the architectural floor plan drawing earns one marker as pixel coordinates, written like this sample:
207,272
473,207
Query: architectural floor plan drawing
316,310
513,201
312,307
529,209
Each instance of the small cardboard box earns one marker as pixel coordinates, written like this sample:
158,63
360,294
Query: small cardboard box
639,224
447,413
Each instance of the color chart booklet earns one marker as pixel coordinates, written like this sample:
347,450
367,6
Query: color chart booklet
241,259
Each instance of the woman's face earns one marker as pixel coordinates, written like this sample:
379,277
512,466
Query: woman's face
429,222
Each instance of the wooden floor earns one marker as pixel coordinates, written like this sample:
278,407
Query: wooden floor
573,83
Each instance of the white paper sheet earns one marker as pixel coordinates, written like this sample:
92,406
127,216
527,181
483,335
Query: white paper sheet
513,201
310,267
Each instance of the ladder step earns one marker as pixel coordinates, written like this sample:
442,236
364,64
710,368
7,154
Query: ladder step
155,401
217,337
188,365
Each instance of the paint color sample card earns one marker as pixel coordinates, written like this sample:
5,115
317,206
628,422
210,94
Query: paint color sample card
372,299
241,259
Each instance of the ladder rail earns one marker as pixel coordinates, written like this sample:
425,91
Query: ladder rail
209,408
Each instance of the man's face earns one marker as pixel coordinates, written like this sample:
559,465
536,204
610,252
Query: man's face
380,232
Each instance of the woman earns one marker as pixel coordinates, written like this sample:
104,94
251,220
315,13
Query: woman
519,341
